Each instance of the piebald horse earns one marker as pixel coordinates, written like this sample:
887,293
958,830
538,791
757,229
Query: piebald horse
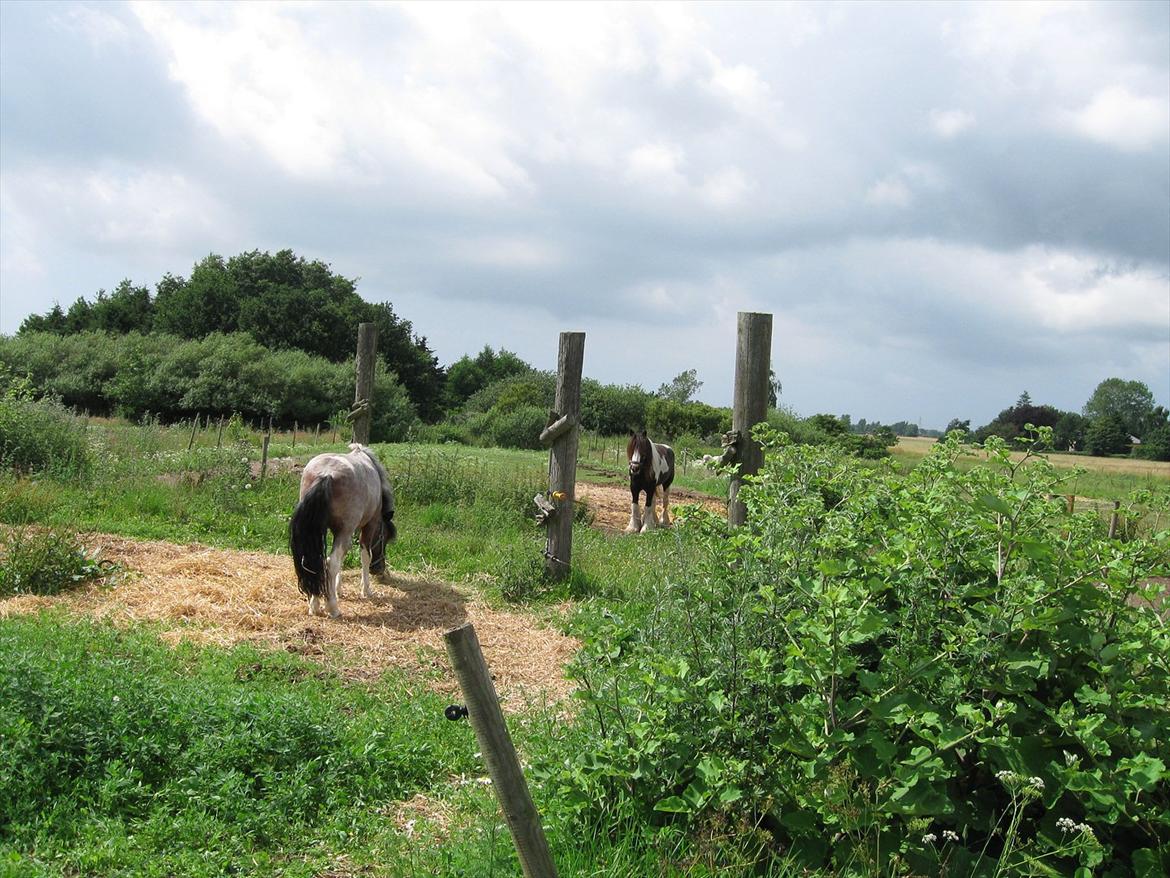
342,493
651,467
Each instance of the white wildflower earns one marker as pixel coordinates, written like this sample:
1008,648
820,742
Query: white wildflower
950,835
1036,782
929,838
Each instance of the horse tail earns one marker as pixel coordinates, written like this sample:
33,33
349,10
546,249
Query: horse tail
306,536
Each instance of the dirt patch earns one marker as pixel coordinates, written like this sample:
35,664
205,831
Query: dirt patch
226,597
275,466
610,504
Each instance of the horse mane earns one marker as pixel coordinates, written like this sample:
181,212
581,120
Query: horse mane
382,476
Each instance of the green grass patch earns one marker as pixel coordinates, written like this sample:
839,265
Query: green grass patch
121,755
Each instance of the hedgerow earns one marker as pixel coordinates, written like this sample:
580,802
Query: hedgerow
939,673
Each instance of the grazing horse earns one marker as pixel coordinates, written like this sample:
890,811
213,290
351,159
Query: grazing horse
651,467
343,493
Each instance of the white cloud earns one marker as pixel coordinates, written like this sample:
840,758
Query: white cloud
657,166
116,208
889,192
950,123
1123,120
521,253
725,189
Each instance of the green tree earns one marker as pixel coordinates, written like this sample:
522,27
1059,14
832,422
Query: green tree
1106,435
963,427
468,375
682,388
1130,401
1069,432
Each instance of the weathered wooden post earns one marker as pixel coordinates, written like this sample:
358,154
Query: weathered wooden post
753,358
194,430
361,414
483,709
264,450
1114,519
562,432
219,435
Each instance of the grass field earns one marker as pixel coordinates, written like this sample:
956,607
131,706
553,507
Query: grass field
123,754
1103,478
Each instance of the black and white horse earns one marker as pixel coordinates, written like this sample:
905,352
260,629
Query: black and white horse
651,468
343,493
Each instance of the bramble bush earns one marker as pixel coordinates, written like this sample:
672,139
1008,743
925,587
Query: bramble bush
38,436
938,673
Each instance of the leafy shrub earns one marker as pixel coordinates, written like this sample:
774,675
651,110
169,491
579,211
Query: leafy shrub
38,435
667,418
1155,444
612,410
879,661
135,375
45,562
519,428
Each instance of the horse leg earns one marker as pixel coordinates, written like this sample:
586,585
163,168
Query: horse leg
333,571
635,524
650,519
666,507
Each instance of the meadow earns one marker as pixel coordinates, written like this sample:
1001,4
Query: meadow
128,748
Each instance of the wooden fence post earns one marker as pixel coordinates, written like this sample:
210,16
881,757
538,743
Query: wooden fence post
563,432
219,435
753,357
1113,519
483,709
363,398
194,428
264,450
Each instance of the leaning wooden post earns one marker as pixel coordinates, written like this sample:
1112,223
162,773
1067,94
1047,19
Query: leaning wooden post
483,709
1113,519
219,435
753,358
562,431
194,428
361,415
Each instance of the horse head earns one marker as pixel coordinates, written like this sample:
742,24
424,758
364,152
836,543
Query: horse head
639,452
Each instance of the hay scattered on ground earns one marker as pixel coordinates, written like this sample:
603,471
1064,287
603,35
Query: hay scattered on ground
225,597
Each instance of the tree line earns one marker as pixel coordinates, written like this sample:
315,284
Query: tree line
281,301
1120,417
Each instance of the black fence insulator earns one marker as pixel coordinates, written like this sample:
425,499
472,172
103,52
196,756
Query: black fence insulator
455,712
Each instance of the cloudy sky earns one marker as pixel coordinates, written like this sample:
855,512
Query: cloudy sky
943,205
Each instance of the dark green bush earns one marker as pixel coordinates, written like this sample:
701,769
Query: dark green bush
889,672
